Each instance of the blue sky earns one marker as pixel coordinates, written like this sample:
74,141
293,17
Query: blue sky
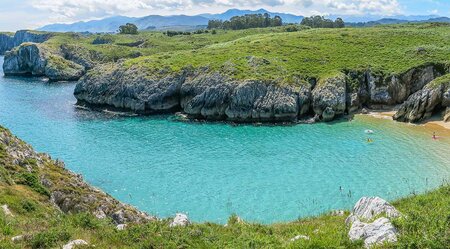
21,14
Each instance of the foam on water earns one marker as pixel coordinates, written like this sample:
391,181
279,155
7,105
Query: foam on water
210,171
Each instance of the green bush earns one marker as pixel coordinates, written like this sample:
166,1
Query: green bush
49,239
31,180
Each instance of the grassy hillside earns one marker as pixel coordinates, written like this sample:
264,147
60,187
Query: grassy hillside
314,53
426,222
148,43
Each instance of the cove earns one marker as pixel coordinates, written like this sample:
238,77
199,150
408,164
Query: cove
211,170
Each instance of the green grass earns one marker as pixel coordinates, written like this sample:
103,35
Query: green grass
316,53
440,81
154,42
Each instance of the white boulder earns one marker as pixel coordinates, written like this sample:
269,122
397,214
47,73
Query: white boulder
369,207
377,232
6,210
300,237
180,220
74,243
121,227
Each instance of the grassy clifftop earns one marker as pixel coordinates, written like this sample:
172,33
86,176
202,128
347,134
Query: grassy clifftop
425,223
314,53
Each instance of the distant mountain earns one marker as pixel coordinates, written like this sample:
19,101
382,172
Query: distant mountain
227,15
158,22
185,23
372,18
385,21
110,24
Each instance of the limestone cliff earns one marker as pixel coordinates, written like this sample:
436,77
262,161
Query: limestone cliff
38,60
205,94
8,42
424,103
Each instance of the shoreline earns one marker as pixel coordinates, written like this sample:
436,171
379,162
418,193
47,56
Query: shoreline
433,122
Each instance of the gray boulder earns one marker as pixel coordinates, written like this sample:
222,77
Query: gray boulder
74,243
369,207
378,232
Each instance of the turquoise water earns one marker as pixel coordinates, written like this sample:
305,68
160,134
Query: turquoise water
210,171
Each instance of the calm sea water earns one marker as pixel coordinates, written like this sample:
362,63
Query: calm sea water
210,171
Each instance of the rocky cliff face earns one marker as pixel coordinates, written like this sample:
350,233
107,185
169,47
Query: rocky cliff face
8,42
37,60
210,95
425,102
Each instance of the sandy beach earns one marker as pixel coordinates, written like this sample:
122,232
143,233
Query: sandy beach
434,122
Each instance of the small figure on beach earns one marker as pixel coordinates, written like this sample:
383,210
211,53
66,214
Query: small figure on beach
434,135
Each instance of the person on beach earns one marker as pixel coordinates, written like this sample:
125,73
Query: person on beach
434,136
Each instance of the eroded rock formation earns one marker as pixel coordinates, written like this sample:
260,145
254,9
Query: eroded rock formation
8,42
204,94
364,228
38,60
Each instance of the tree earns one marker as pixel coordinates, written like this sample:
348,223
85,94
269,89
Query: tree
339,23
322,22
128,28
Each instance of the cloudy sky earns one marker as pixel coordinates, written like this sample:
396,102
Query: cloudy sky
21,14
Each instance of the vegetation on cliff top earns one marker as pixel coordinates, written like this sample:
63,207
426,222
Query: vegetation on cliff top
315,53
425,223
441,80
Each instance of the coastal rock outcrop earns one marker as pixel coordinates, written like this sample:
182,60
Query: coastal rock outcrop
9,41
425,102
372,232
329,98
197,93
37,60
212,95
130,89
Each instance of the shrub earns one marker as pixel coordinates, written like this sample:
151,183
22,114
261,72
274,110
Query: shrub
49,239
31,180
